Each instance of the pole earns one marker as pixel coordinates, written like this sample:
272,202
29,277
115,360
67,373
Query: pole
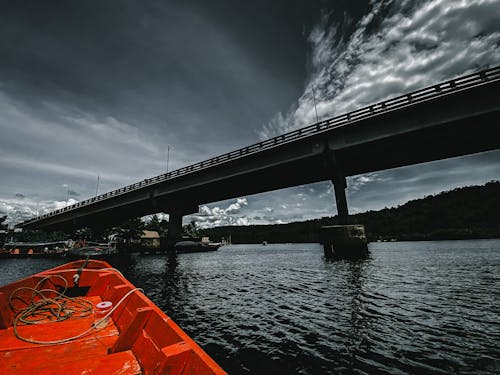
97,185
168,156
67,197
314,100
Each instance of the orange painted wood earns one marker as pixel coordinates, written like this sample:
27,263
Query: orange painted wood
130,334
123,317
139,339
123,363
150,357
36,357
5,312
54,331
176,358
163,332
98,288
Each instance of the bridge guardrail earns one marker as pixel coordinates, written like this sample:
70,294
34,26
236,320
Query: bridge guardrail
399,102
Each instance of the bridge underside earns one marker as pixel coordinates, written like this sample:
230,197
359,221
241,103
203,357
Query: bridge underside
440,142
452,126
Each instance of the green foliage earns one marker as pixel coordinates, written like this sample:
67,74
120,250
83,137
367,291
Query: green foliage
155,224
39,236
462,213
191,230
129,230
84,234
3,226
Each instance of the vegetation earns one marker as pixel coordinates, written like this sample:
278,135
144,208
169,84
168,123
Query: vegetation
463,213
3,229
191,230
155,224
36,236
129,230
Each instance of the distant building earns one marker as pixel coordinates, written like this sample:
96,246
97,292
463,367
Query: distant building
150,238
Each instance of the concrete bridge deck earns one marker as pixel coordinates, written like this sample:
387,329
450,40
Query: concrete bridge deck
449,119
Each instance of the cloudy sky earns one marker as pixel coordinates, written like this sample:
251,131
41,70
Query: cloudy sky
104,88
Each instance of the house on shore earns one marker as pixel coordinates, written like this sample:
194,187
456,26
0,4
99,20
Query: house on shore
150,239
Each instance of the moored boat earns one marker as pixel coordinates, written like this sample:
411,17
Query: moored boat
85,317
195,246
97,251
33,249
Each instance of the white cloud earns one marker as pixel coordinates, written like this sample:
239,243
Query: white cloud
400,46
412,48
356,183
23,208
212,215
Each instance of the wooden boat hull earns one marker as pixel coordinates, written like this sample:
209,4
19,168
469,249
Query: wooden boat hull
138,338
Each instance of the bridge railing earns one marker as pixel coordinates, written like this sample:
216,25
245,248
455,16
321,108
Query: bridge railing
396,103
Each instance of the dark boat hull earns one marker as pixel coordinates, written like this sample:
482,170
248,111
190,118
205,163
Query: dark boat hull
194,247
94,252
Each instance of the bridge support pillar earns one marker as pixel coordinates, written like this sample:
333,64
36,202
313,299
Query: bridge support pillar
175,226
339,186
344,241
174,230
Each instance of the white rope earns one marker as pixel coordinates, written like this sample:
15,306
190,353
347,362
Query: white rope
95,324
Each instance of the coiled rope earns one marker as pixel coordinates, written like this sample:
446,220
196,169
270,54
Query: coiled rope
55,309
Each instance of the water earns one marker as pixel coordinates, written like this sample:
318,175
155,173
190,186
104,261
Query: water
412,307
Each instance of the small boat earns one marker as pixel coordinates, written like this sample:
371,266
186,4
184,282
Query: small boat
97,251
84,317
195,246
34,249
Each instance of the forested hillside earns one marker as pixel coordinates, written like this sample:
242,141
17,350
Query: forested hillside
468,212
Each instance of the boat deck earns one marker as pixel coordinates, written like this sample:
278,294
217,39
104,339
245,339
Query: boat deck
138,338
79,356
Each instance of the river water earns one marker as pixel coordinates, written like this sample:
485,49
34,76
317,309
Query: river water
411,307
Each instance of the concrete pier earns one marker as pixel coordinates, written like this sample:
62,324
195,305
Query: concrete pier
344,241
174,230
175,224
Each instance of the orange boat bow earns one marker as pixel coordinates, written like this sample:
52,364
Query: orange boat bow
138,338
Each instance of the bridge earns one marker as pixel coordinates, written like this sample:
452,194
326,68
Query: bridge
449,119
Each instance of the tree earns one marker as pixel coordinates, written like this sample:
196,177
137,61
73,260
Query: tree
129,230
3,229
153,224
191,230
163,228
2,220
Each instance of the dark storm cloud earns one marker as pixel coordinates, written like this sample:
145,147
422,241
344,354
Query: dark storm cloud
96,88
161,66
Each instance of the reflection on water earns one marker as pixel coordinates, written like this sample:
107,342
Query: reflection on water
420,307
